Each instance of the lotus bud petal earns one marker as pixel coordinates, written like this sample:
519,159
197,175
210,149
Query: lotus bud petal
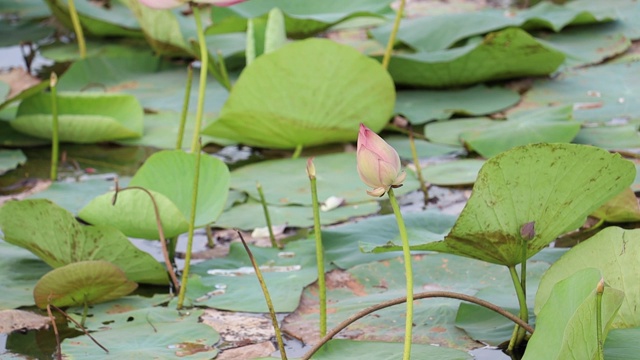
311,168
379,165
162,4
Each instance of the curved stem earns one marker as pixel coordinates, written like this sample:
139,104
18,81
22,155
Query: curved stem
192,220
392,37
204,66
163,242
418,296
518,334
408,270
267,297
77,28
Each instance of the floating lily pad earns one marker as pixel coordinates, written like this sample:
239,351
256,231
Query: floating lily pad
58,239
10,159
622,344
152,333
425,149
599,94
567,323
83,117
622,208
276,102
301,19
505,54
420,106
250,215
169,175
84,282
439,32
545,125
74,195
448,132
365,350
457,172
285,182
20,270
554,185
610,137
96,19
613,251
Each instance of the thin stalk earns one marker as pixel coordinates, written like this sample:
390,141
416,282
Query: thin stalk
265,209
223,71
599,292
518,333
204,66
392,37
80,326
418,296
416,161
172,244
192,220
185,107
297,152
408,270
55,330
311,171
267,297
55,140
85,311
163,242
77,28
210,243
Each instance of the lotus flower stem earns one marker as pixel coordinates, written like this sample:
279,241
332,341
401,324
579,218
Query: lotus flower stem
185,107
599,292
224,75
406,252
265,209
418,296
322,289
416,162
210,243
518,332
204,66
192,220
77,28
168,259
267,297
55,141
392,37
297,152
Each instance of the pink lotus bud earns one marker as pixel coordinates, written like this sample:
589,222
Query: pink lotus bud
162,4
378,163
311,168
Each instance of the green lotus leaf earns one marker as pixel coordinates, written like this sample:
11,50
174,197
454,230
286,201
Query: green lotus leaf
566,325
169,176
364,350
306,93
613,251
622,208
98,20
505,54
84,282
58,239
556,186
83,117
10,159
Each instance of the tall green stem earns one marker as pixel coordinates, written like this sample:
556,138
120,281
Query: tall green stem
311,171
55,141
599,292
265,210
518,332
408,270
297,152
192,220
77,28
185,107
204,66
392,37
416,162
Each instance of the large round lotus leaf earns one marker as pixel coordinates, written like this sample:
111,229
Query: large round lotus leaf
58,239
285,182
83,117
19,272
169,175
10,159
566,327
83,282
112,20
458,172
309,92
554,185
339,349
615,252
